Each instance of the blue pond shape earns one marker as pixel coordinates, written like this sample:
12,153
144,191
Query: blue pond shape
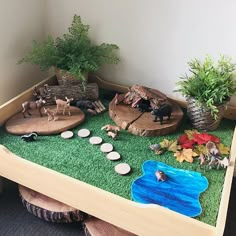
180,192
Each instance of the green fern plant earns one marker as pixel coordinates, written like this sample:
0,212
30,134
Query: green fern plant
210,84
73,52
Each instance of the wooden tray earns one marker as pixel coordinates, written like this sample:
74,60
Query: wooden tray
134,217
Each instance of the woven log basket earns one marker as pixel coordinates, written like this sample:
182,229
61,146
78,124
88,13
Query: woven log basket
201,117
66,78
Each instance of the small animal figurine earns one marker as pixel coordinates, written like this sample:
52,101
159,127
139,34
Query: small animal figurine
63,105
51,114
112,134
109,127
156,148
144,105
202,160
160,176
85,105
213,161
212,149
162,111
223,163
29,137
32,105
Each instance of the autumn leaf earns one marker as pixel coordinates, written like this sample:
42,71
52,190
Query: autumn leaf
200,149
224,150
185,142
190,133
214,138
183,138
188,144
203,138
170,145
185,155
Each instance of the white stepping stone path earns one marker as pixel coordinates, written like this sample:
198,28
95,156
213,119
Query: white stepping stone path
67,134
122,168
83,133
106,147
95,140
113,156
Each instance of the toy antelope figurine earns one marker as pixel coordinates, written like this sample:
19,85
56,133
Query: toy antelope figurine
51,114
63,105
33,105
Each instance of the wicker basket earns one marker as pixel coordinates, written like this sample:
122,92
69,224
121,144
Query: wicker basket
66,78
201,117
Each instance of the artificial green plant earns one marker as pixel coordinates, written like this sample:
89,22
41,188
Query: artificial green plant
210,84
73,52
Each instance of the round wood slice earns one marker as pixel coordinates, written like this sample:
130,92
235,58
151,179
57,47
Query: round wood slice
95,140
113,156
83,133
122,168
106,147
142,123
19,125
67,134
97,227
47,208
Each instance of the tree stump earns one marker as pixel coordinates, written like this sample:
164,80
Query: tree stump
97,227
19,125
141,123
47,208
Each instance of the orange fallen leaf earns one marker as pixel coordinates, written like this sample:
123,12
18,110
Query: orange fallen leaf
185,155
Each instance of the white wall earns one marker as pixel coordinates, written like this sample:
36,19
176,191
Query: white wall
21,21
156,37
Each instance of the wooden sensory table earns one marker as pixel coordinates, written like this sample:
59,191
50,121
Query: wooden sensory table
134,217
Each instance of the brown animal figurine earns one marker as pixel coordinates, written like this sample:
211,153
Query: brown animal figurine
212,149
111,134
111,128
32,105
63,105
160,176
51,114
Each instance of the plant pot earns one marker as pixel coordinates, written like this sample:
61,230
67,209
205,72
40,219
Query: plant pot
200,115
66,78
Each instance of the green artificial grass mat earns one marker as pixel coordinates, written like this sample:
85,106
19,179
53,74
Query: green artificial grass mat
81,160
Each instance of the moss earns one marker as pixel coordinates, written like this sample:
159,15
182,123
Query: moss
79,159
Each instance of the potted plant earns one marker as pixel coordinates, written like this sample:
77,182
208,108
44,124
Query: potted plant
74,54
207,90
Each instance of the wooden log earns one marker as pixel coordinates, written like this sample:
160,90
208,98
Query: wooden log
96,227
76,92
47,208
99,107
